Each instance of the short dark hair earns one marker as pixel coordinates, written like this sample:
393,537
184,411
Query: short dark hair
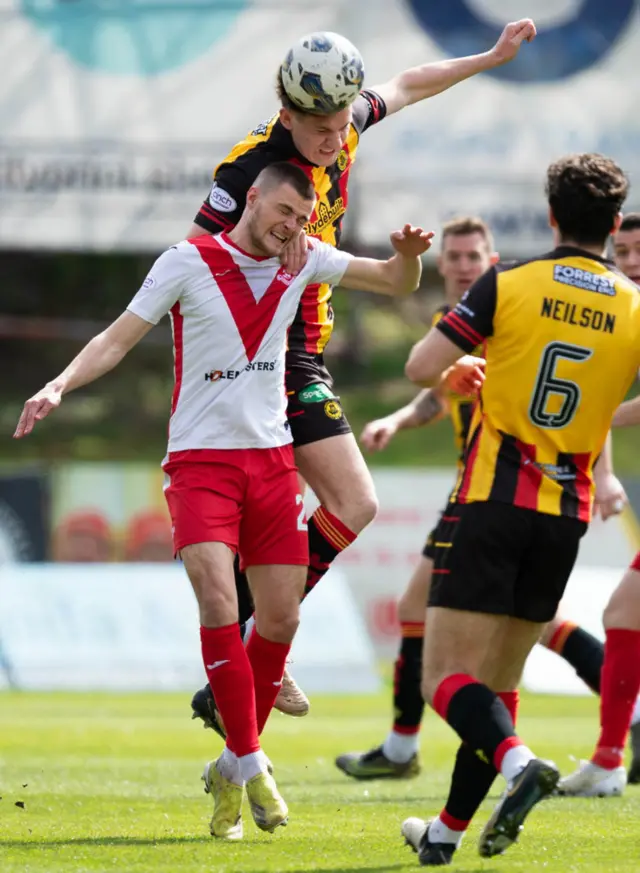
586,193
631,221
282,172
465,225
283,97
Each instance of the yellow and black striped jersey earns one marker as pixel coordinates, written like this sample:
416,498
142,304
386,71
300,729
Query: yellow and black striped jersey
562,345
267,144
460,408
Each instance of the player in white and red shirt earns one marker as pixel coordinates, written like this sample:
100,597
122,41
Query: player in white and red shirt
231,478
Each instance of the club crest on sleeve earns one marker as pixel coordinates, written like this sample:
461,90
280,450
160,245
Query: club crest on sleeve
332,409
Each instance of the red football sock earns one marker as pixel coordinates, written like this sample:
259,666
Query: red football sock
620,684
268,661
231,680
511,700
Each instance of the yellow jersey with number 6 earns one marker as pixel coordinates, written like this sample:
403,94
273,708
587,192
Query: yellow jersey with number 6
562,345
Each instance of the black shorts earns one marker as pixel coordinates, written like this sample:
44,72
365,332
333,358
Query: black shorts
429,550
504,560
314,411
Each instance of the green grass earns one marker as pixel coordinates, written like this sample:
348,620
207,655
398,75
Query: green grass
111,783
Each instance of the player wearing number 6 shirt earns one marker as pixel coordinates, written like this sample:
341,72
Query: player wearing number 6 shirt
562,346
231,480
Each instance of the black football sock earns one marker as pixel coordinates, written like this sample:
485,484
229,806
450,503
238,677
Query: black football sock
471,781
472,777
583,651
478,715
408,705
245,601
328,536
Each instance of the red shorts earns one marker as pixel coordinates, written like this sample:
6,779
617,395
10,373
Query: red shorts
635,564
248,499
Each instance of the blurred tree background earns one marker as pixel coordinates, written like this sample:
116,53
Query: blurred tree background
53,303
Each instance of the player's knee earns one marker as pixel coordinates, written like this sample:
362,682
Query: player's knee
279,624
356,510
367,509
620,612
218,607
611,616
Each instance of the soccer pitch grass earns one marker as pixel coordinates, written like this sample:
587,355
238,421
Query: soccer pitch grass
111,783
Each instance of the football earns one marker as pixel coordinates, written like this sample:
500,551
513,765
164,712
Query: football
322,73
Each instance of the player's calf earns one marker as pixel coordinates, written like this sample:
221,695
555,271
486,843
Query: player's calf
335,470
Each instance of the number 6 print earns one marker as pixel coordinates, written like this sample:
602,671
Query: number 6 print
547,383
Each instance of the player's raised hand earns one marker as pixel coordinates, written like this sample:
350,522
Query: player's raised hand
37,408
466,376
410,242
511,39
294,256
378,434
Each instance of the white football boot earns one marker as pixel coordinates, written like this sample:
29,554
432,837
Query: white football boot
589,780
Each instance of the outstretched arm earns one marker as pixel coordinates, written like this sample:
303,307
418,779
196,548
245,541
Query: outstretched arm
399,274
428,406
100,355
156,296
427,80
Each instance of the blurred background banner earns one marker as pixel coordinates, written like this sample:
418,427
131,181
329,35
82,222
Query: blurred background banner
113,114
24,516
109,512
125,627
104,626
111,581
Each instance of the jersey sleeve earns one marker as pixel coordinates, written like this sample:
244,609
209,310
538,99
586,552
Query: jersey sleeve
224,205
439,314
161,288
368,109
471,321
327,264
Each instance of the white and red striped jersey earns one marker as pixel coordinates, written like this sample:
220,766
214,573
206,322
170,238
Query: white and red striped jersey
230,312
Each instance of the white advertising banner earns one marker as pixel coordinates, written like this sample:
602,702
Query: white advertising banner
135,626
103,626
112,115
484,146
